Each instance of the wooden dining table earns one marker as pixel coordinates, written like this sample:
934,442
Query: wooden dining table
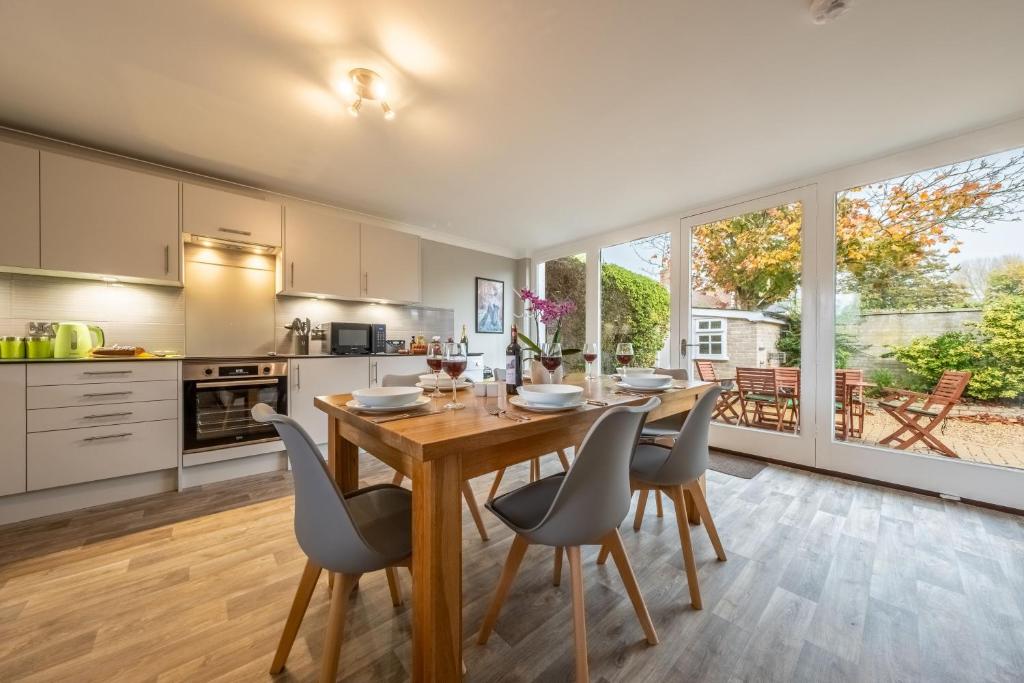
440,451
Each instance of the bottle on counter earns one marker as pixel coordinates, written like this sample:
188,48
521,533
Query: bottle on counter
513,364
465,338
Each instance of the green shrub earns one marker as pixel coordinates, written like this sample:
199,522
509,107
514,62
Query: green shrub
883,380
636,309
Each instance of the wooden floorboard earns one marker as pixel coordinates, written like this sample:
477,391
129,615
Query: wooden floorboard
827,580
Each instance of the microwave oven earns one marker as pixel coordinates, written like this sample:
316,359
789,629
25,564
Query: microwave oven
353,339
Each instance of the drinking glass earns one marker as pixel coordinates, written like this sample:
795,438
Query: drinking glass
435,359
590,355
551,359
624,354
454,363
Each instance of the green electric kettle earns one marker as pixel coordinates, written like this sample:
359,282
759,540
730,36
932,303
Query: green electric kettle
76,340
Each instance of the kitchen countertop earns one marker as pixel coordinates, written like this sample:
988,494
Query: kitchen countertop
279,356
90,359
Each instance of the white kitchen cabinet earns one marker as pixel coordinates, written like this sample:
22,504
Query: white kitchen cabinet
12,427
391,264
224,215
19,206
381,367
101,219
321,253
311,377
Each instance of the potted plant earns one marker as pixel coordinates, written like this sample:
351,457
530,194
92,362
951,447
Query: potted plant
547,312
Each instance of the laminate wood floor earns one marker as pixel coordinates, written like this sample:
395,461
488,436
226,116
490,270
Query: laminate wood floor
827,580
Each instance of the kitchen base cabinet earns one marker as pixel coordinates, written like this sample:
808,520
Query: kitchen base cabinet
396,365
12,429
71,456
312,377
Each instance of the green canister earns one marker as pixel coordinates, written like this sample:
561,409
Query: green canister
39,347
12,347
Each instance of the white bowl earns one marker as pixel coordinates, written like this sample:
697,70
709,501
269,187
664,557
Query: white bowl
651,381
551,394
629,372
387,397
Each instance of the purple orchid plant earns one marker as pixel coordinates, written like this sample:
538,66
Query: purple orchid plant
548,312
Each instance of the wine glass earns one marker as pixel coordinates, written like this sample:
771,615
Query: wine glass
435,359
551,359
454,363
624,355
590,355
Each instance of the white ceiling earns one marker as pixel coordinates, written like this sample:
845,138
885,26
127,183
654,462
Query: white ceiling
521,123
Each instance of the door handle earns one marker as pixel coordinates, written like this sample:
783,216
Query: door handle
236,232
107,372
107,436
683,346
167,259
106,416
239,384
293,274
366,282
298,377
107,393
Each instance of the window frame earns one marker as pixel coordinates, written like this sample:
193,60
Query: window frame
722,333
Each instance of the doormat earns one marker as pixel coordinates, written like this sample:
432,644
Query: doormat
736,465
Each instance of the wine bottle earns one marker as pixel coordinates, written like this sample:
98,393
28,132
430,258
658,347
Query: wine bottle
465,338
513,364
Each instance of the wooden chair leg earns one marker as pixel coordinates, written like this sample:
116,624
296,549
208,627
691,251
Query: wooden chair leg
474,510
494,486
563,459
310,575
657,501
641,505
602,556
687,547
579,614
701,504
558,567
508,575
534,469
394,586
335,628
691,512
397,479
614,541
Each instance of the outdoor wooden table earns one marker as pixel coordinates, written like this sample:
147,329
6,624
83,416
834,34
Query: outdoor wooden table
438,452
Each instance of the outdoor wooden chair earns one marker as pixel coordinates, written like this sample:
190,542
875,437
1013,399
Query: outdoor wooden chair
841,405
725,408
918,422
759,396
855,396
788,382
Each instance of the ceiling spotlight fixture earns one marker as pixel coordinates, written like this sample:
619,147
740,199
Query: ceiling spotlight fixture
368,85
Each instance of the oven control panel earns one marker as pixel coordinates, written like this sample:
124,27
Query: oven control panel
233,370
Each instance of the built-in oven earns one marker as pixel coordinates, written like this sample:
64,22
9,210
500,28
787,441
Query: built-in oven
218,399
347,339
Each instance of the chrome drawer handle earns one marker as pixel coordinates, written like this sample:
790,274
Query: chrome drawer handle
108,436
107,372
106,415
107,393
236,232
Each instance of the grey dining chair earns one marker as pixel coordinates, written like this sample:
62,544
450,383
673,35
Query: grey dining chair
559,511
347,534
467,490
675,471
665,428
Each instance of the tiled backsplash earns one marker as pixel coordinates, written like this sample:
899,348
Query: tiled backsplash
143,315
402,321
153,317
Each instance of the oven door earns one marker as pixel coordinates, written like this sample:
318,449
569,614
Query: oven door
217,413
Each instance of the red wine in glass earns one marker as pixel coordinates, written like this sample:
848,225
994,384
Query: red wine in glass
454,368
590,357
624,358
551,363
434,363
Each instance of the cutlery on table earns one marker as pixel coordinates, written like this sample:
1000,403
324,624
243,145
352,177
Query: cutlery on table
498,412
405,416
592,402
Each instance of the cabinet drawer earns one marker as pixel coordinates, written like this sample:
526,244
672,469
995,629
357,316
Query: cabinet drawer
73,456
230,216
49,419
93,372
64,395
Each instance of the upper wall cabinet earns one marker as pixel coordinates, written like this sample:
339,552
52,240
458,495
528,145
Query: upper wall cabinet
106,220
321,253
19,206
229,216
391,264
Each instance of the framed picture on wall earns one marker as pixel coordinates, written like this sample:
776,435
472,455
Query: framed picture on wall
490,306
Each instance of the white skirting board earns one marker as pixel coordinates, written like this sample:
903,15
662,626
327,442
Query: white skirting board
53,501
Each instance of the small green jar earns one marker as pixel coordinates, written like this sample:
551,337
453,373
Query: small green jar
39,347
12,347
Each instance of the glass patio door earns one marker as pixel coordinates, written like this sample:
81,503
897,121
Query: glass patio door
747,319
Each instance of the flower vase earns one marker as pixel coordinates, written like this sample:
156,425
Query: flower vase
538,375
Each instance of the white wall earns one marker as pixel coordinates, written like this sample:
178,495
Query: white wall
449,281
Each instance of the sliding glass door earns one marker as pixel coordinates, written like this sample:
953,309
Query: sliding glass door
746,320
